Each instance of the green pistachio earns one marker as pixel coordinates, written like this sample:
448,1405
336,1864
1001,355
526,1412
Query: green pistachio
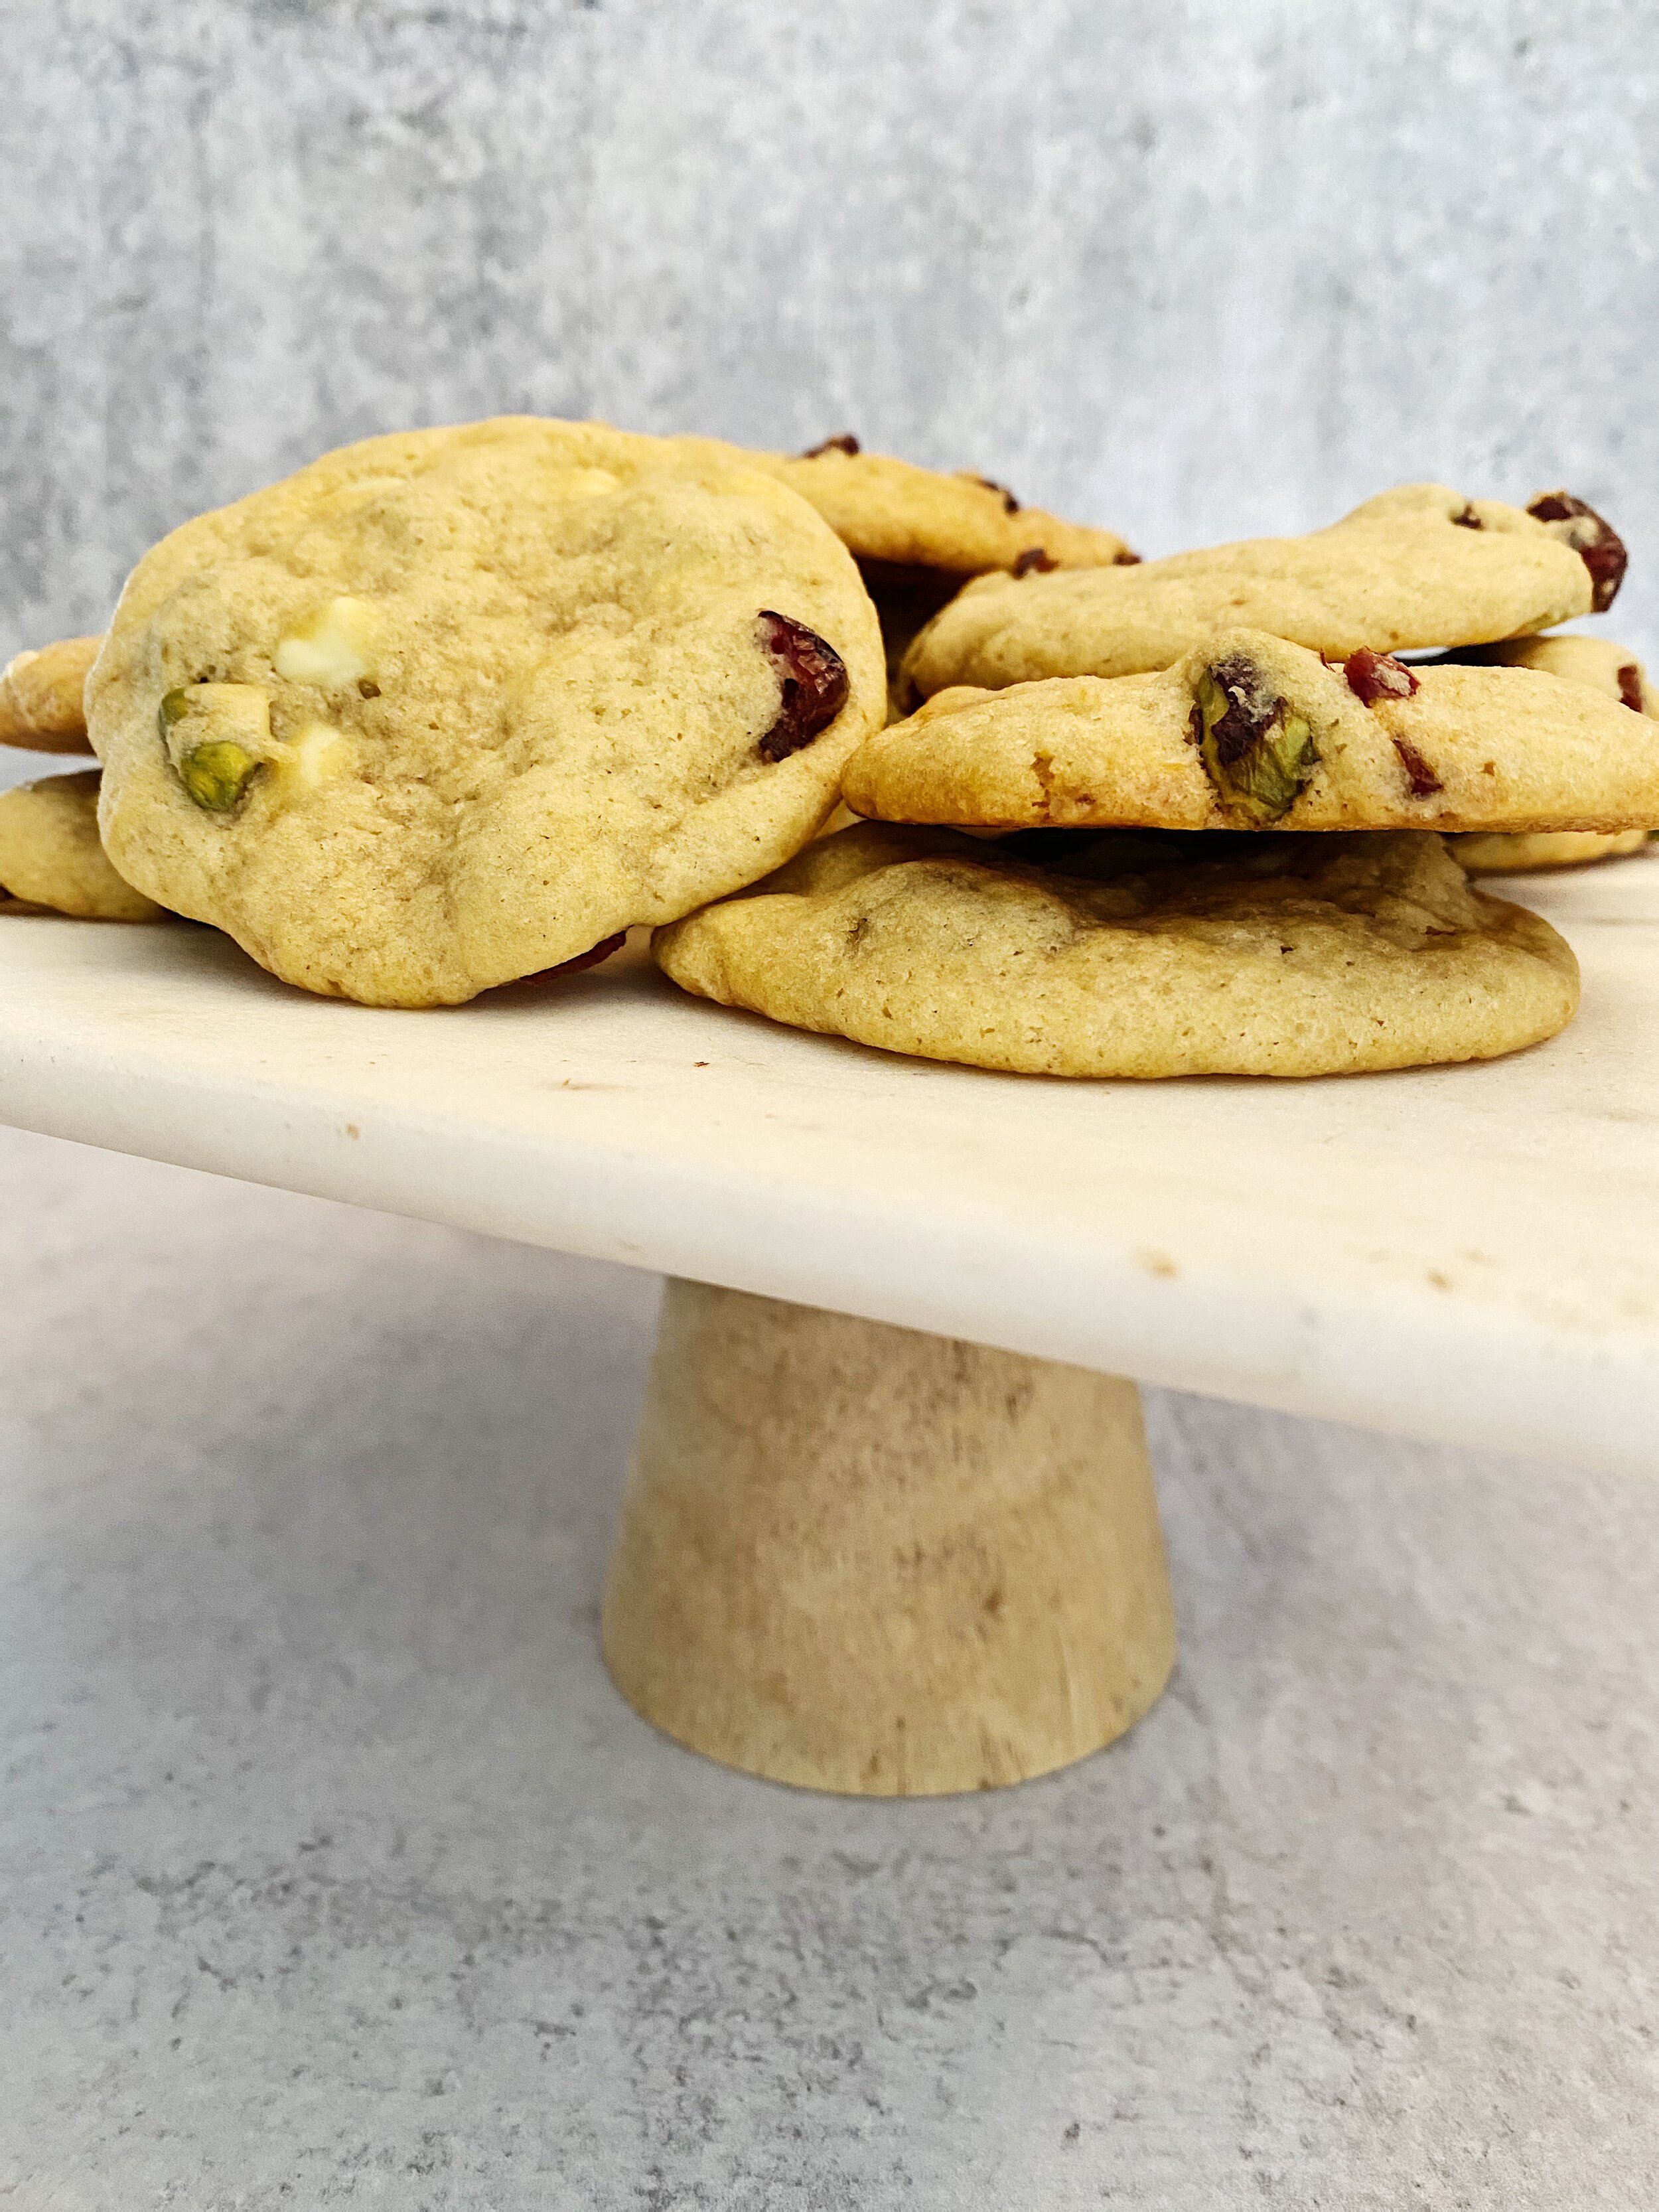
217,774
1257,753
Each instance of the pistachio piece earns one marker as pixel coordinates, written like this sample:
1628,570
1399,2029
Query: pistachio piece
216,735
217,774
814,682
334,648
1257,753
1597,543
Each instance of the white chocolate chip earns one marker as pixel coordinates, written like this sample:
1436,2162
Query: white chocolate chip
334,648
315,755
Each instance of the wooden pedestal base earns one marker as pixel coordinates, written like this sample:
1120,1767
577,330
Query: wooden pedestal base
856,1558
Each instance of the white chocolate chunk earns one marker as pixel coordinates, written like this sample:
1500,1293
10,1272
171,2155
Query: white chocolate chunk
336,647
315,755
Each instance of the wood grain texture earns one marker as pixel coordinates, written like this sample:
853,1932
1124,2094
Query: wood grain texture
860,1559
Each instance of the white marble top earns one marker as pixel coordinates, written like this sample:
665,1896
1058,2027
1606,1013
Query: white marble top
1468,1253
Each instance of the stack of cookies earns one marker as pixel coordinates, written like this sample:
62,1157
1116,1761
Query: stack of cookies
453,708
1216,795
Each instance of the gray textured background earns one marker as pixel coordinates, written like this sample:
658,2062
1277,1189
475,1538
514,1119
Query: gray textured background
330,1869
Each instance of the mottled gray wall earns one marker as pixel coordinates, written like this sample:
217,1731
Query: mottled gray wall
1191,269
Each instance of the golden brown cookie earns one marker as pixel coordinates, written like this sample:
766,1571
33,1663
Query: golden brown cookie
1249,732
1416,568
453,707
890,511
41,698
1136,957
1612,670
51,858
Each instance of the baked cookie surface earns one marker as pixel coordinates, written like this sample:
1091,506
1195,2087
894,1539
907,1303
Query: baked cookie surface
891,511
41,697
1612,670
1249,732
1136,957
51,858
452,707
1415,568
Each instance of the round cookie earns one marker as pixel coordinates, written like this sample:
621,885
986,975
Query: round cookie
41,698
891,512
1613,669
1249,732
51,858
1130,956
1415,568
453,707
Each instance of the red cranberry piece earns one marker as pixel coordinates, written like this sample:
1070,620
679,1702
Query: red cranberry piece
1126,559
1630,687
814,682
847,443
1010,504
1374,676
591,957
1597,543
1035,561
1418,774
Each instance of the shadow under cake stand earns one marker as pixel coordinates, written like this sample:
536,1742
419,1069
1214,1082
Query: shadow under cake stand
889,1526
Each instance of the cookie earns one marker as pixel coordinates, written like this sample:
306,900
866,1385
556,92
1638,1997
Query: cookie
454,707
893,512
1522,855
51,858
1612,669
1136,956
1249,732
41,698
1416,568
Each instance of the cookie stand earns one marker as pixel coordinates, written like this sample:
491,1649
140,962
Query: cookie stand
890,1526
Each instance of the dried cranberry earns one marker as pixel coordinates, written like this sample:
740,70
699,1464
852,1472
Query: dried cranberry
1597,543
1126,559
1374,676
591,957
1010,504
1468,519
1418,774
1035,561
814,680
1630,687
847,443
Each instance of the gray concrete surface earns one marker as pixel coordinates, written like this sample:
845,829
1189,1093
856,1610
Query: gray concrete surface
1195,270
332,1871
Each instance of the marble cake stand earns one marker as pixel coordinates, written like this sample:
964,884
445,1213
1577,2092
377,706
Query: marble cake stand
890,1526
